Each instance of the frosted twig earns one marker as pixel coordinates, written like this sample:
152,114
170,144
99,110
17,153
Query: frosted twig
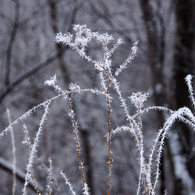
50,178
188,80
68,183
34,150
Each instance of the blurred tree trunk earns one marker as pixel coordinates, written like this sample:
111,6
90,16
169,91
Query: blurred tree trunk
156,52
184,65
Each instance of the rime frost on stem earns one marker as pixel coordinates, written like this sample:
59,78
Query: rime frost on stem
188,80
129,59
51,81
86,190
31,111
133,124
119,42
50,178
78,145
68,183
74,87
26,139
29,173
162,133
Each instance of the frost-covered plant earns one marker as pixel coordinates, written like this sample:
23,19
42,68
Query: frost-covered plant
108,79
79,43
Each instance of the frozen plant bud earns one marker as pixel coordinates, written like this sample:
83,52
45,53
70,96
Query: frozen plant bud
138,99
135,48
105,38
66,38
74,87
119,41
51,81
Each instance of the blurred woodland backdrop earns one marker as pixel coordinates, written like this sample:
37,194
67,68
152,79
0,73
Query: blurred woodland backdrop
29,55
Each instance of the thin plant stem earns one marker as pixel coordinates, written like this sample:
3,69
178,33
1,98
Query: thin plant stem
14,154
77,139
109,141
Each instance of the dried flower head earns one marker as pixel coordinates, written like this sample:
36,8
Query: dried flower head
138,99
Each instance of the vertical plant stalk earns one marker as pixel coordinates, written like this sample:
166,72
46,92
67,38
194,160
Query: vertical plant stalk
106,56
140,139
138,99
27,140
50,182
188,80
74,123
33,152
14,153
109,140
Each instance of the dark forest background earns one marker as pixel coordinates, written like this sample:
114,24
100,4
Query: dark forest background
29,55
